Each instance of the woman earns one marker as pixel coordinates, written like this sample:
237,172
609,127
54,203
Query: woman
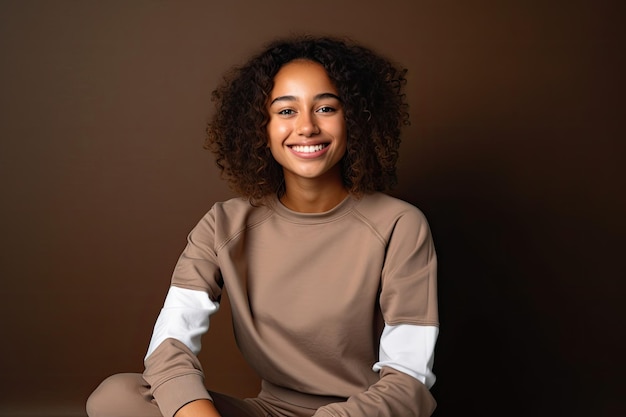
332,283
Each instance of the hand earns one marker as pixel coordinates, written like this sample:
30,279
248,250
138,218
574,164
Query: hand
198,408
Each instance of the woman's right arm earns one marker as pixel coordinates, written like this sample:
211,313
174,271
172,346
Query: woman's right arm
198,408
172,369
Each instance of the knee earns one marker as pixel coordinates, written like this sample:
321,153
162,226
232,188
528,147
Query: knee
96,403
102,402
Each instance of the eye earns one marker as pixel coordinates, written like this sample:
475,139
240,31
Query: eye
326,109
286,112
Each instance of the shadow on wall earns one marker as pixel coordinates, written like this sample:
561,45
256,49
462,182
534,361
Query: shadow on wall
522,330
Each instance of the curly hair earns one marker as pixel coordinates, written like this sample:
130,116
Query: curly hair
369,86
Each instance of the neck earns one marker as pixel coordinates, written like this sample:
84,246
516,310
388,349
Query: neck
305,197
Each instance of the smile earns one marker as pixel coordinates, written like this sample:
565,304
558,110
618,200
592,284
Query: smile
308,148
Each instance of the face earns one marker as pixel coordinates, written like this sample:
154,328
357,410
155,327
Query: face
307,128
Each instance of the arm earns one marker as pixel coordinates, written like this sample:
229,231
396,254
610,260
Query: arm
395,394
198,408
405,369
408,301
172,368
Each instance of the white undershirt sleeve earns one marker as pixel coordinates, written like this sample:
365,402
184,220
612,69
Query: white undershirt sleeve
410,349
184,317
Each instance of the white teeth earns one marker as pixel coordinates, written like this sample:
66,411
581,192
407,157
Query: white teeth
308,149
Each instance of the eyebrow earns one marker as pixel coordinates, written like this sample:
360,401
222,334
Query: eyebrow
317,97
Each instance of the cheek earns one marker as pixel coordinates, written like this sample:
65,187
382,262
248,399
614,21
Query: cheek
341,131
277,132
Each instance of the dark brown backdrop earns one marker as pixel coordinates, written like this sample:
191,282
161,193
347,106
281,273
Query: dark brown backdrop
515,154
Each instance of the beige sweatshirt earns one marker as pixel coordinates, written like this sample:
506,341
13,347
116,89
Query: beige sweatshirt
336,309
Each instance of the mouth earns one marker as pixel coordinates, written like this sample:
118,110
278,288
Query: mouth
308,148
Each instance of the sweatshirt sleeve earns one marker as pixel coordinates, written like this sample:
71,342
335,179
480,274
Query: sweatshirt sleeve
395,394
175,377
408,302
172,369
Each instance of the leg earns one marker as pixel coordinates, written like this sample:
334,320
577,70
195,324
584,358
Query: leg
127,395
122,395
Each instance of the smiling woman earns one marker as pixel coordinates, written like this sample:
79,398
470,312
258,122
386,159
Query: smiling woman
364,85
307,136
317,261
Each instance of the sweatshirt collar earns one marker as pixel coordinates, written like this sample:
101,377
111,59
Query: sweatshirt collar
335,213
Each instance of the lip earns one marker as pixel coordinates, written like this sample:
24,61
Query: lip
307,154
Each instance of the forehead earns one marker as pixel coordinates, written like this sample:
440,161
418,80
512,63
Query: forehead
302,75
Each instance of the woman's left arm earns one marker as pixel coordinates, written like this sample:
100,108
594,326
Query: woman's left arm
408,302
396,394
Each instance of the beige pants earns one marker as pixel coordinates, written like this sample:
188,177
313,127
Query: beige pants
127,395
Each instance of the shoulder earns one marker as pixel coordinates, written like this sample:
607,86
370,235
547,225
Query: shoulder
239,210
386,211
227,219
234,205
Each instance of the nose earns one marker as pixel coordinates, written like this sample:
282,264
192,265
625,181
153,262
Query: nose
307,125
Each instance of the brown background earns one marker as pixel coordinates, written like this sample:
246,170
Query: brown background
515,153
